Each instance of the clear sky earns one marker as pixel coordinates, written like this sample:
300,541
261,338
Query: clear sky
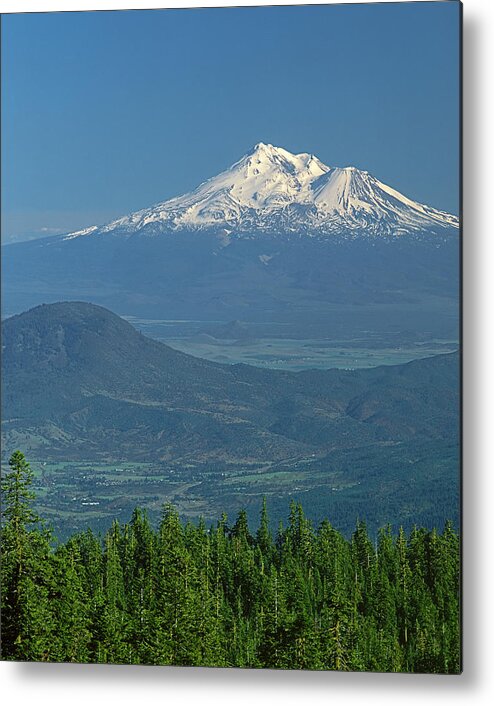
104,113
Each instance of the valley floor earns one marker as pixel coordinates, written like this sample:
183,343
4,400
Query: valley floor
284,346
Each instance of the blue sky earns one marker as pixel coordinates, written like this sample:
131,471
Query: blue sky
107,112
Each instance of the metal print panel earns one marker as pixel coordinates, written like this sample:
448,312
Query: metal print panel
230,337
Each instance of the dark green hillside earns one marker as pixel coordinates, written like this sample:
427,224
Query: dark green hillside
82,385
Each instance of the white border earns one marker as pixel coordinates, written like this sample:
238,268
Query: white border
80,685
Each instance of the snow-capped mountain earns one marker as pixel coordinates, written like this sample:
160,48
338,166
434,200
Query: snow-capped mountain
277,236
272,190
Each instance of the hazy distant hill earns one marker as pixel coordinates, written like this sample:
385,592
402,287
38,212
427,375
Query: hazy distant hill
231,331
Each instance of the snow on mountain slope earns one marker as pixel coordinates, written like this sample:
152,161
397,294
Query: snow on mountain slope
272,190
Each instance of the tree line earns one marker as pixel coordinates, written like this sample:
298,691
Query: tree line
188,594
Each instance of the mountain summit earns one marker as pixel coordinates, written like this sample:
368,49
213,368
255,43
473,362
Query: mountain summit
274,191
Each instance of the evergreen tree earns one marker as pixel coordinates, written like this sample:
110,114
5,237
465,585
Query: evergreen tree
264,539
25,570
70,608
115,623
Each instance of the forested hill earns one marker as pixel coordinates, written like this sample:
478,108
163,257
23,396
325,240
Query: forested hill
80,382
222,596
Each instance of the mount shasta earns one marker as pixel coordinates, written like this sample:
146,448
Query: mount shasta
276,237
271,190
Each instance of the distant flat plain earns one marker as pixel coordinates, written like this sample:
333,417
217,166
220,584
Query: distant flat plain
278,345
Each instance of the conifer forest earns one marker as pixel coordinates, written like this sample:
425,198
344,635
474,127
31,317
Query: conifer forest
224,595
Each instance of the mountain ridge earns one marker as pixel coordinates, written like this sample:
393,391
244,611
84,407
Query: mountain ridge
83,380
